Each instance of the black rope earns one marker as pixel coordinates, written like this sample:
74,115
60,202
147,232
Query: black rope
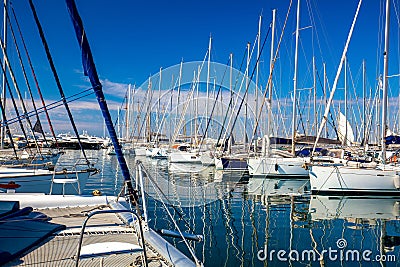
26,79
34,75
53,69
17,87
8,132
13,100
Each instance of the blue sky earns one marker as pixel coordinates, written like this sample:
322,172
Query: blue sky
131,40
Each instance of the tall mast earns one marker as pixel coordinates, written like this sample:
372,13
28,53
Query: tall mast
295,82
196,115
269,102
118,124
385,82
334,86
247,97
208,76
148,112
159,103
231,91
257,69
159,96
325,101
178,100
3,95
128,111
315,97
364,139
345,101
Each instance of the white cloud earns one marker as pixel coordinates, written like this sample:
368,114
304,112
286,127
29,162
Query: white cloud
114,88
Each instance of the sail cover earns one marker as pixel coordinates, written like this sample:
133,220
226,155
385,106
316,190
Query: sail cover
89,69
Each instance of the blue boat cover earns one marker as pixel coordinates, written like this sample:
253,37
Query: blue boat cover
7,207
89,70
392,139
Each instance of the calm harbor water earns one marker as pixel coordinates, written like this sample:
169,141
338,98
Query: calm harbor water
245,222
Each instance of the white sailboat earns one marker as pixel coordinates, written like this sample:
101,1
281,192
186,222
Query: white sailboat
358,178
55,180
270,165
277,167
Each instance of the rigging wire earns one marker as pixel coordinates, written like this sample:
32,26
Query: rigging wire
27,84
230,105
8,132
17,87
53,69
213,108
50,106
33,74
272,69
13,101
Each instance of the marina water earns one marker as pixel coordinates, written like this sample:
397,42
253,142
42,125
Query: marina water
245,222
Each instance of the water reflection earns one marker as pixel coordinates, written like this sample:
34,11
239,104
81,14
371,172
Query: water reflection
239,216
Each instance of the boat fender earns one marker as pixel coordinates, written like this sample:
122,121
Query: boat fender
96,193
177,234
397,181
276,167
305,166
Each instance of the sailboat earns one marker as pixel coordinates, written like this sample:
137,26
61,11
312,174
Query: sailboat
278,165
48,181
359,178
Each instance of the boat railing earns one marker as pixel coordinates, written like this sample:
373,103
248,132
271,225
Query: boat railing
80,164
141,173
123,247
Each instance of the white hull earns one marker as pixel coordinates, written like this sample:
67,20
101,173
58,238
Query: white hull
207,159
40,181
184,157
125,151
277,167
46,157
140,151
156,153
218,164
347,180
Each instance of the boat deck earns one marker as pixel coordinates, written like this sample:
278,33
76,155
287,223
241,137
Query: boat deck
60,249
